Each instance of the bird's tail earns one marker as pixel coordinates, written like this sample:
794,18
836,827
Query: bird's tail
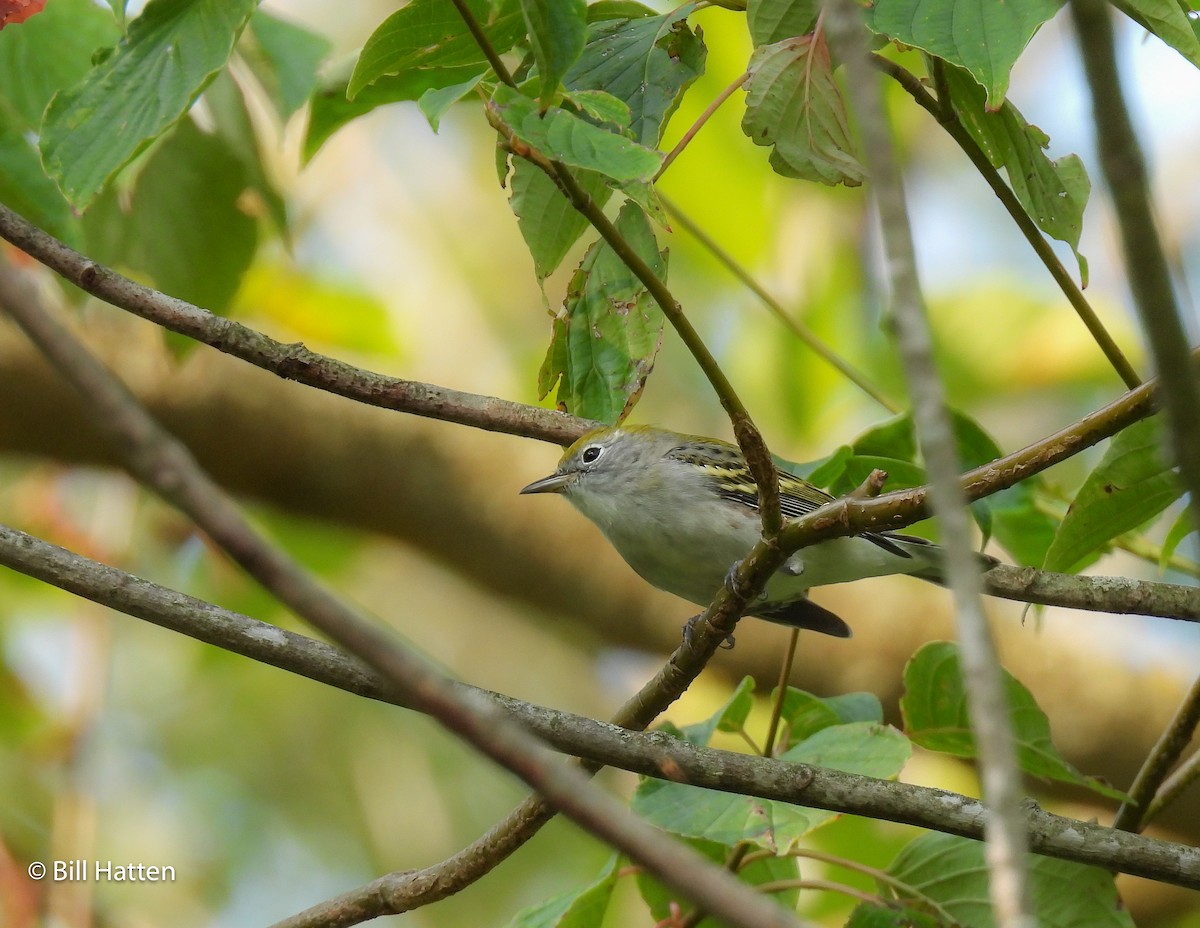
932,557
804,613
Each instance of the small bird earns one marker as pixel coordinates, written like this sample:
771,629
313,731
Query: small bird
683,510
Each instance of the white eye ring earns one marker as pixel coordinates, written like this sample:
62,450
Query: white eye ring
591,454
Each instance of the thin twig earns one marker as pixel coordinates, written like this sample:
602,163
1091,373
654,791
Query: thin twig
778,886
1007,845
1187,774
1158,763
781,688
881,876
798,328
485,45
699,123
943,112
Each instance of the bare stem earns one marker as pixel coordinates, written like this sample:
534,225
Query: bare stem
798,328
944,113
1007,843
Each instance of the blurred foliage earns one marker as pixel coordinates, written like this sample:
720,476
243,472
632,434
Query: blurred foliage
392,247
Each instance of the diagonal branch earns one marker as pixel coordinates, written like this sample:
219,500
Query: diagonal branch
289,361
161,462
651,754
943,112
295,362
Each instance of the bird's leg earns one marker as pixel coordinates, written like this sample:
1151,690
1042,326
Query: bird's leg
734,583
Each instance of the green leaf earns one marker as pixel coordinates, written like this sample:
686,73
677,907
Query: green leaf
1020,525
617,9
603,107
557,33
171,52
794,106
50,52
806,714
824,471
952,872
431,34
1012,515
331,109
605,341
772,21
284,58
985,38
194,175
1180,529
1131,484
645,195
1168,21
728,818
645,61
227,105
582,908
892,438
25,188
895,915
570,140
759,871
1052,192
435,101
548,222
730,717
934,708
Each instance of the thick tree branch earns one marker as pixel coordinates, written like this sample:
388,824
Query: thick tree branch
295,362
289,361
165,465
652,754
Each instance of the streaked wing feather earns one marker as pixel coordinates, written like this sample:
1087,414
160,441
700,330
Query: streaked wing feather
797,497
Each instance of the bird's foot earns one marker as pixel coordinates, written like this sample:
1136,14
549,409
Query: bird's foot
690,625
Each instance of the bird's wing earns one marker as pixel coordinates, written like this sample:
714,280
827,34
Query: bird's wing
797,497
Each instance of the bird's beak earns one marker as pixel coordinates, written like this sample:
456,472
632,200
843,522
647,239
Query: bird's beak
555,483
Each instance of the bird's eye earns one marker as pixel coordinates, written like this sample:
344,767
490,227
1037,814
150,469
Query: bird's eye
591,454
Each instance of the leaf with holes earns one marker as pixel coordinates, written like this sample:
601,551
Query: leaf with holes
609,332
645,61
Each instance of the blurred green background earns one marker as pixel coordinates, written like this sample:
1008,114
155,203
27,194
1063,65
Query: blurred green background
268,793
